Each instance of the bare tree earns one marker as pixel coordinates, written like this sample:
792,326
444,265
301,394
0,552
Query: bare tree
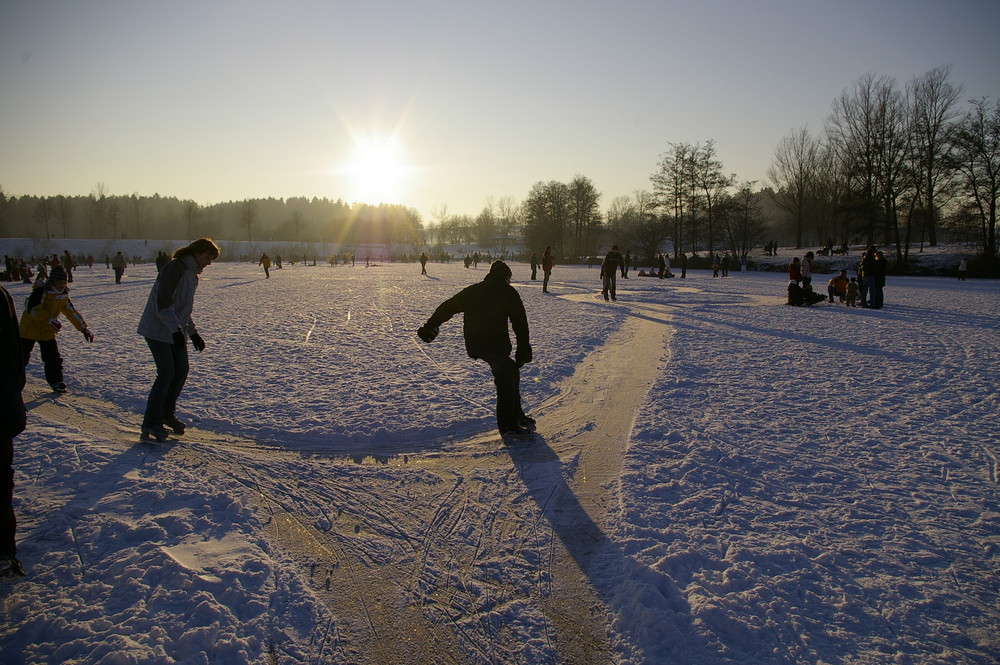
852,133
114,215
795,174
248,218
98,209
977,158
673,186
585,216
508,219
191,213
891,130
64,211
547,215
42,213
5,203
743,220
621,213
486,224
933,104
711,182
137,213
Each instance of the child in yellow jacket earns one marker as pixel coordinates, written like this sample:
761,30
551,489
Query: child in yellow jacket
40,323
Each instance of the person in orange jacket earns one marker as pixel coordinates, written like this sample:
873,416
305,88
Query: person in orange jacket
837,286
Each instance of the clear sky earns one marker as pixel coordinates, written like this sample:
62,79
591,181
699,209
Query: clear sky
439,103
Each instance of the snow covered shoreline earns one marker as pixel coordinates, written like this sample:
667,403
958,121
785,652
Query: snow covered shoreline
799,485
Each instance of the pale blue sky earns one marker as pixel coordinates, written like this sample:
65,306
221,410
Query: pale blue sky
218,101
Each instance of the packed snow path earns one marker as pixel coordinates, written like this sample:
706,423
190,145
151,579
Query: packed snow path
419,593
720,480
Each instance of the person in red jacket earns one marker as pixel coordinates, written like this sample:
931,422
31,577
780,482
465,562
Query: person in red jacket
795,271
547,263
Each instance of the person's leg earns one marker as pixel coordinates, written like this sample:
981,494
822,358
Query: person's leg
614,285
506,377
181,367
163,357
8,523
49,349
26,346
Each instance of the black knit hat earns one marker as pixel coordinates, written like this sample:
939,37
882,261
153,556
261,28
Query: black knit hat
56,274
500,270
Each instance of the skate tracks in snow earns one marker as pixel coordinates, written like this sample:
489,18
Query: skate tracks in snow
477,553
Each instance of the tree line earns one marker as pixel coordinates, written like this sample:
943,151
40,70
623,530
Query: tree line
100,215
896,166
892,166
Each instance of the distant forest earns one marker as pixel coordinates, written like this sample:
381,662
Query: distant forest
895,166
100,215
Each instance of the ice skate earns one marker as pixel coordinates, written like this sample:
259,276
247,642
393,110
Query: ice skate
154,434
174,424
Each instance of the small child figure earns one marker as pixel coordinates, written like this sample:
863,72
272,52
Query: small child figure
852,292
40,323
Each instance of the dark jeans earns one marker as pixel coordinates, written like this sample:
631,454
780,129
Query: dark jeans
50,357
507,378
867,291
610,283
8,524
118,275
171,373
545,281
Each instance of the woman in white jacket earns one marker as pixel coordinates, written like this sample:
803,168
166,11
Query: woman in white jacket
166,324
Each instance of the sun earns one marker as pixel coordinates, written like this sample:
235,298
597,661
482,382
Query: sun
376,171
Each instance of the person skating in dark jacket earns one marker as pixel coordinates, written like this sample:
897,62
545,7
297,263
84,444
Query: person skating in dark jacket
609,270
488,306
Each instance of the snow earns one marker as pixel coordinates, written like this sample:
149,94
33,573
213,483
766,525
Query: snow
719,478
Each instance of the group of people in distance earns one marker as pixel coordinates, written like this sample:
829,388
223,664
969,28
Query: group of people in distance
866,290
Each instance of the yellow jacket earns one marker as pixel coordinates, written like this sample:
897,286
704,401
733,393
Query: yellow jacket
40,318
839,284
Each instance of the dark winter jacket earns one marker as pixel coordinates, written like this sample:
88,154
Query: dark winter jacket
12,412
612,263
488,306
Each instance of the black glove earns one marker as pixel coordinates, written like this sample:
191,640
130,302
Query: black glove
197,342
427,334
523,355
179,340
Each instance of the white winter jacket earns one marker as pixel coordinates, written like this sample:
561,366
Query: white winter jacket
171,301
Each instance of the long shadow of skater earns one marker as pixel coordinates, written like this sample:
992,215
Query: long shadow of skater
653,620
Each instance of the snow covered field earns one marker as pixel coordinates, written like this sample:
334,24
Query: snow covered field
719,478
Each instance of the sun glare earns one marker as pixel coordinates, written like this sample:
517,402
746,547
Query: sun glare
376,171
